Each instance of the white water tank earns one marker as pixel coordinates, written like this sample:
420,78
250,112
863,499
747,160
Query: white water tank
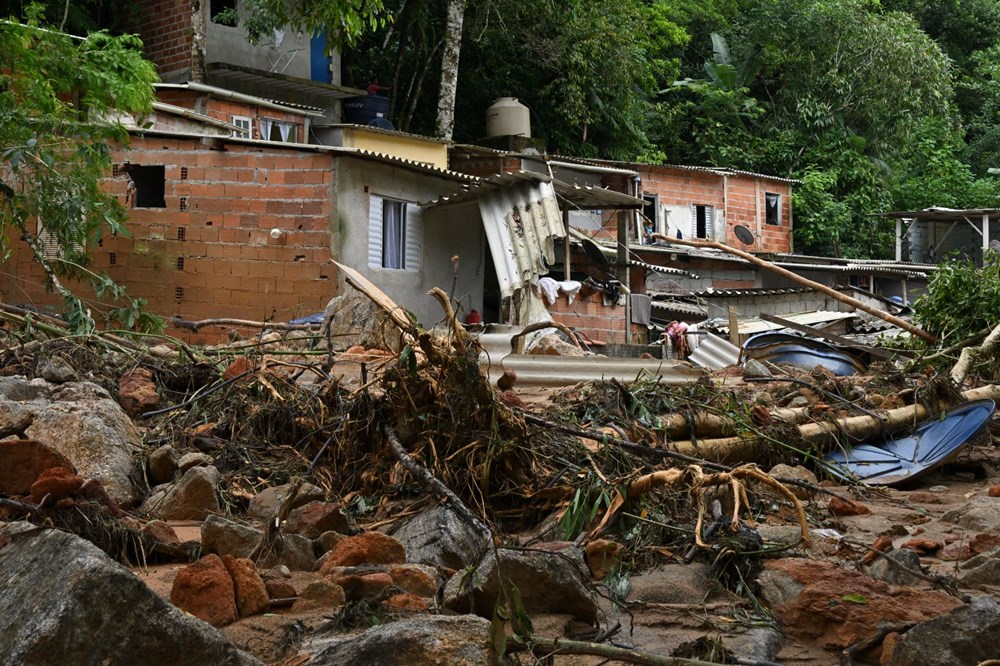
508,117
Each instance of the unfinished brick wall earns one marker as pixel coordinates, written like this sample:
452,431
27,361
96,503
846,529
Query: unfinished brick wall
209,252
590,316
483,165
165,29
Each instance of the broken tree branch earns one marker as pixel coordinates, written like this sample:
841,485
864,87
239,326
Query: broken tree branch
436,486
971,354
195,326
822,288
553,646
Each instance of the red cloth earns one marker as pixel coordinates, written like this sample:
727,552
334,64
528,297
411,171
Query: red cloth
473,318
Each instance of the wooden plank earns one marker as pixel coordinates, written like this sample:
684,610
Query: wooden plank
832,337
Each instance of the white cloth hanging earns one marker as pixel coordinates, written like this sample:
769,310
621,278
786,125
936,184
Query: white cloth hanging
549,289
570,288
284,128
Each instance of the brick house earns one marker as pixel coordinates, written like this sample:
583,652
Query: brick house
227,226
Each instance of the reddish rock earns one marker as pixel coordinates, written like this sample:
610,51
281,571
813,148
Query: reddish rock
205,589
365,548
955,553
882,544
984,543
361,586
842,507
923,546
56,482
840,607
888,647
280,589
314,518
994,491
137,392
921,497
415,579
160,531
407,602
251,594
21,463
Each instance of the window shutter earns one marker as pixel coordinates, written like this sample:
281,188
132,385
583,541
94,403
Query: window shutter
414,237
693,233
709,222
374,232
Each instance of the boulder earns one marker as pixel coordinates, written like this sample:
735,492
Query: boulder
320,594
160,531
191,497
227,537
844,507
987,573
293,551
162,464
360,582
817,600
418,579
205,589
355,320
22,461
547,582
671,584
981,514
264,505
964,637
798,473
57,370
440,538
82,422
887,572
420,640
251,593
193,459
137,392
364,548
553,345
407,603
314,518
759,644
74,606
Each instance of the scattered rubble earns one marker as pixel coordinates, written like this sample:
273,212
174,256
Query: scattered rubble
363,493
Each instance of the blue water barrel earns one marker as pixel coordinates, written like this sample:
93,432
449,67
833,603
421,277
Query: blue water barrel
365,109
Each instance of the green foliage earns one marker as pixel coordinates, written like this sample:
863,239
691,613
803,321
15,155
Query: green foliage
592,497
58,98
343,21
961,299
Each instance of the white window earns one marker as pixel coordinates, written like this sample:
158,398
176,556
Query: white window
772,208
277,130
394,234
243,122
702,219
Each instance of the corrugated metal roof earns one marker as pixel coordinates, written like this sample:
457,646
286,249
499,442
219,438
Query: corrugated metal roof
585,197
750,291
661,269
679,306
715,353
751,326
855,269
521,224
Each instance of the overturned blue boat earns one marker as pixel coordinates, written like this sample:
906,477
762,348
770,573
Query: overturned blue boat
805,353
933,443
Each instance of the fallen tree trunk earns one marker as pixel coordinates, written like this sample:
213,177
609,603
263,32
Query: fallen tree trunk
971,354
853,429
832,293
704,424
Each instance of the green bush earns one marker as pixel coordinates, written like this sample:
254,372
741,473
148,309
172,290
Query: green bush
961,299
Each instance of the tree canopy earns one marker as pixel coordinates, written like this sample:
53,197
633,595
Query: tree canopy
59,97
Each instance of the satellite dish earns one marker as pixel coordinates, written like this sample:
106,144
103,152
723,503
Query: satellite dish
744,234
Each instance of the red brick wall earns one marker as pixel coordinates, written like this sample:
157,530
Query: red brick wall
590,316
165,29
231,266
483,165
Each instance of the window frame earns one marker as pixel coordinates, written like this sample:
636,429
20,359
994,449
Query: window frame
777,210
248,129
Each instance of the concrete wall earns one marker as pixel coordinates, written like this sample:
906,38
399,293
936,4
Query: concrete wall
229,44
451,231
209,252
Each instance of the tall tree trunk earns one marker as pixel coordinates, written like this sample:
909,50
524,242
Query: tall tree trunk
199,9
449,69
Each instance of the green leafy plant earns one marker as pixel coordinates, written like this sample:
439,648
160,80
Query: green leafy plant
961,300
